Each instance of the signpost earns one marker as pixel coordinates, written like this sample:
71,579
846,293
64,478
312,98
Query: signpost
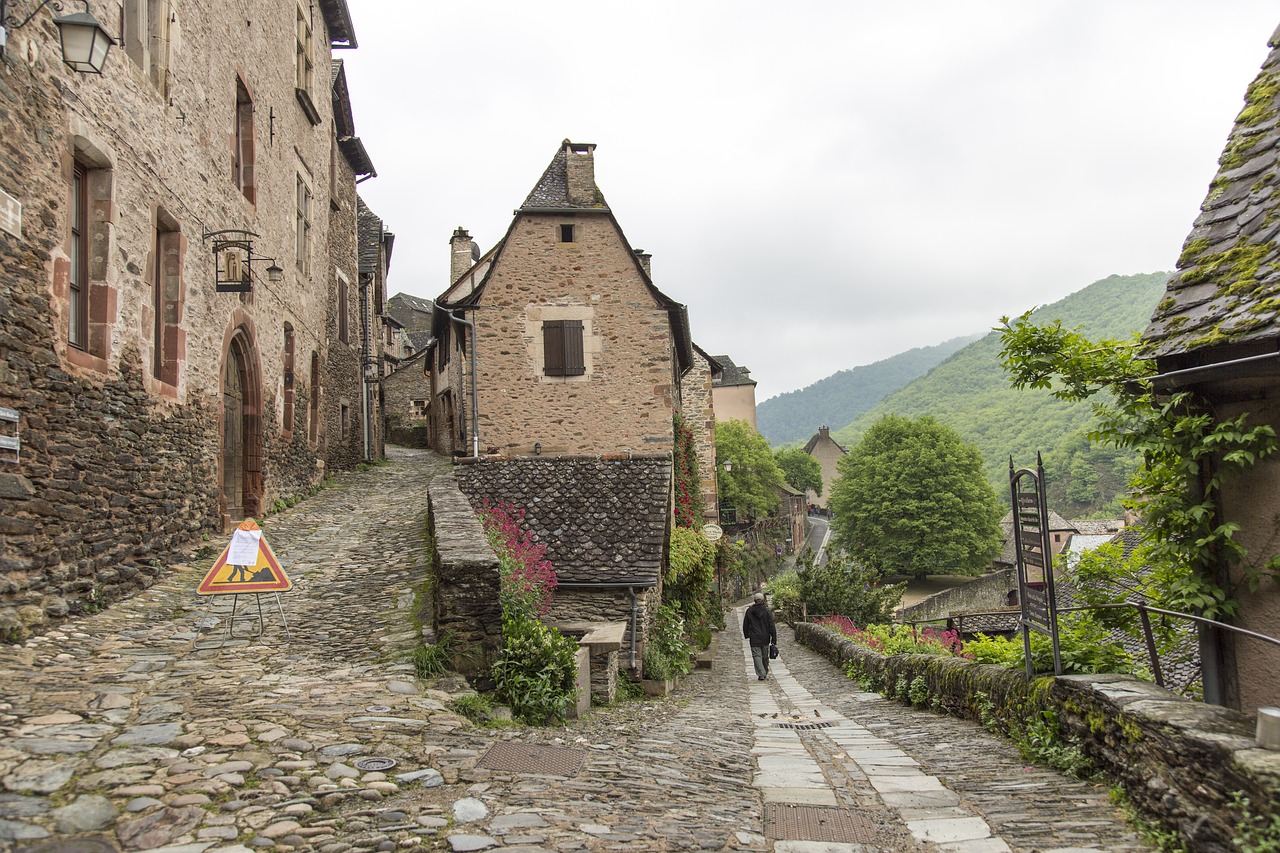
1035,560
247,566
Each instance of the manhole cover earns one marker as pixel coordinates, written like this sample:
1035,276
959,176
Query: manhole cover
822,725
370,764
784,821
378,709
533,758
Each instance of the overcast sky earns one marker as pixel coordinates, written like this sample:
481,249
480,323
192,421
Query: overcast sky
824,184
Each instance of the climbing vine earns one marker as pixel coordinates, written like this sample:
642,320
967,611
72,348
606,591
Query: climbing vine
688,491
1187,454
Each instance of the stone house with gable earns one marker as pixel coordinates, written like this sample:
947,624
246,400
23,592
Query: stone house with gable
735,393
151,391
828,453
556,370
1216,334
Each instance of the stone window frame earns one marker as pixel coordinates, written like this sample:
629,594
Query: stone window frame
168,290
242,154
567,232
344,307
418,408
313,412
344,419
91,302
290,343
536,318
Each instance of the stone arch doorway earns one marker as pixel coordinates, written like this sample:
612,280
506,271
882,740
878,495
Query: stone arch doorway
241,459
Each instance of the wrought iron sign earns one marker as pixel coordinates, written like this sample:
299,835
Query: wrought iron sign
233,259
1035,560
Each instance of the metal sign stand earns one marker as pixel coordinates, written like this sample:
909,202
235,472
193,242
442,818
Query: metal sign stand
1031,538
260,617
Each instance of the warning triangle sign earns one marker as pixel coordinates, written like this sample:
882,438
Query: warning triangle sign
247,565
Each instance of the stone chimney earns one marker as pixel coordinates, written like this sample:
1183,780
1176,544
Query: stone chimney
645,258
581,170
463,253
824,434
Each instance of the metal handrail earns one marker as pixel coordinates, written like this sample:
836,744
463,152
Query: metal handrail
1142,608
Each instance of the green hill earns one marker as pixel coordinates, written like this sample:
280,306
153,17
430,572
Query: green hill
842,397
970,392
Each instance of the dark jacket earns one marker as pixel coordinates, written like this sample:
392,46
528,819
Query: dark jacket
758,625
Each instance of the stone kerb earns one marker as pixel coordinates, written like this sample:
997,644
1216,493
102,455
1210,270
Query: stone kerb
1180,762
465,578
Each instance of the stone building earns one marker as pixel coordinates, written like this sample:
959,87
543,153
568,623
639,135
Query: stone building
557,369
581,353
734,392
150,389
700,416
1216,335
828,453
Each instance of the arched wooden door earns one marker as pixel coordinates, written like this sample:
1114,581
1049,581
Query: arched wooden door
233,435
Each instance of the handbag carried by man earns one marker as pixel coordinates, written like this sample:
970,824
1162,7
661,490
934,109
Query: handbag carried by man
773,651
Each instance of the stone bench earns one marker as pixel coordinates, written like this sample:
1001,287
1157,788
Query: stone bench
602,642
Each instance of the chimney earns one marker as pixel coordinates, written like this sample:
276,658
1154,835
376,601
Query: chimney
581,171
824,433
645,258
463,253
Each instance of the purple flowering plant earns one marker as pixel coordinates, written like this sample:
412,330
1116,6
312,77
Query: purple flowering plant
527,576
898,639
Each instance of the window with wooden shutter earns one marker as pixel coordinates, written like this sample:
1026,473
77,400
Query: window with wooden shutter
562,348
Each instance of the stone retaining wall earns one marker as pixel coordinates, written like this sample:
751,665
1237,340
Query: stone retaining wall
988,592
464,573
1179,761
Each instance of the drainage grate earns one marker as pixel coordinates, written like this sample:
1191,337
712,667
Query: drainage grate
533,758
822,725
372,764
784,821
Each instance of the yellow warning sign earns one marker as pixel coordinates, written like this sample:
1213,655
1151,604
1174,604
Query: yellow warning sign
247,565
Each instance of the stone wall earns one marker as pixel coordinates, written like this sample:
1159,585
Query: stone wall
983,594
700,417
399,390
583,606
464,577
1179,761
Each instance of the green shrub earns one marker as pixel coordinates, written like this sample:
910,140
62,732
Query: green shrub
666,654
537,673
474,707
432,660
1083,646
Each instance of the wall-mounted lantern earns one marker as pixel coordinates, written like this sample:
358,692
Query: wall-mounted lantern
84,42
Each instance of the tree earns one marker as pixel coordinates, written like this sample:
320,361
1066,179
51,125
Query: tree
842,587
911,499
751,484
802,471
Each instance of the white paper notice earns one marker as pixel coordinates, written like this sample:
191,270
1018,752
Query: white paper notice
244,548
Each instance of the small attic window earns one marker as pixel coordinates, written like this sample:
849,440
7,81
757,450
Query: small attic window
566,233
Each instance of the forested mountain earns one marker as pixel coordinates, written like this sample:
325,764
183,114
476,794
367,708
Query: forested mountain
840,398
970,392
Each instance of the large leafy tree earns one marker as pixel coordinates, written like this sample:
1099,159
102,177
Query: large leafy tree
911,499
802,471
752,481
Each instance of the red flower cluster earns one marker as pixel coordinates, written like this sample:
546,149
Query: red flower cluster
528,578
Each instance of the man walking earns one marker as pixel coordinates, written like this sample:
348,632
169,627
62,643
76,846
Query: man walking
759,630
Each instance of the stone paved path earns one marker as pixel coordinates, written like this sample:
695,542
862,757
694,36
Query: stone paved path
145,728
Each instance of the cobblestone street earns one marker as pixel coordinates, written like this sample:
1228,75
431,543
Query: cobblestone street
144,727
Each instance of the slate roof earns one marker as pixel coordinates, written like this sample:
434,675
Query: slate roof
1227,286
817,436
419,340
603,519
337,18
552,189
369,236
732,373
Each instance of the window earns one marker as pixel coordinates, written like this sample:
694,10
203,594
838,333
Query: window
346,421
566,233
344,332
305,66
562,348
288,378
314,413
147,28
418,408
242,157
304,227
78,298
167,299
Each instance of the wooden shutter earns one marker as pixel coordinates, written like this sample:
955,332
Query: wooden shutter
562,348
